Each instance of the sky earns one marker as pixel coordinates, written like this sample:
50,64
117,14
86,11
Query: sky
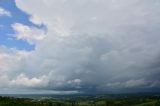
79,46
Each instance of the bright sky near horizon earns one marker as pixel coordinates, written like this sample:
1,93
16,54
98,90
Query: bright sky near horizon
72,46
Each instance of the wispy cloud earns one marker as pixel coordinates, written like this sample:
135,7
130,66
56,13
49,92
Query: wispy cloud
4,12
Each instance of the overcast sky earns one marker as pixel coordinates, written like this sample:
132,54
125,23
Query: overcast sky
79,46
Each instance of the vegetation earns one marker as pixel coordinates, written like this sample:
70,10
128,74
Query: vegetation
100,100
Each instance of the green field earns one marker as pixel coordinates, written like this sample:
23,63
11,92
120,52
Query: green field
99,100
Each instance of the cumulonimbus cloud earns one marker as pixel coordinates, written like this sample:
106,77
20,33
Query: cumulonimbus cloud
94,45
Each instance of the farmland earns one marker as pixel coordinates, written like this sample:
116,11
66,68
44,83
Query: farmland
81,100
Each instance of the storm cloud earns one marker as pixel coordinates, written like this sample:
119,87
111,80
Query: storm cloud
88,45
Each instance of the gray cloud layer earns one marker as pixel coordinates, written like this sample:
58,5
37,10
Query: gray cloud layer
91,45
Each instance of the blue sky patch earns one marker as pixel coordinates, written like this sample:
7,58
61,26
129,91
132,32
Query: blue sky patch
6,31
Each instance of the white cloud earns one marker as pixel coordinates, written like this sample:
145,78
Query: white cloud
4,12
10,59
23,81
27,33
90,44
